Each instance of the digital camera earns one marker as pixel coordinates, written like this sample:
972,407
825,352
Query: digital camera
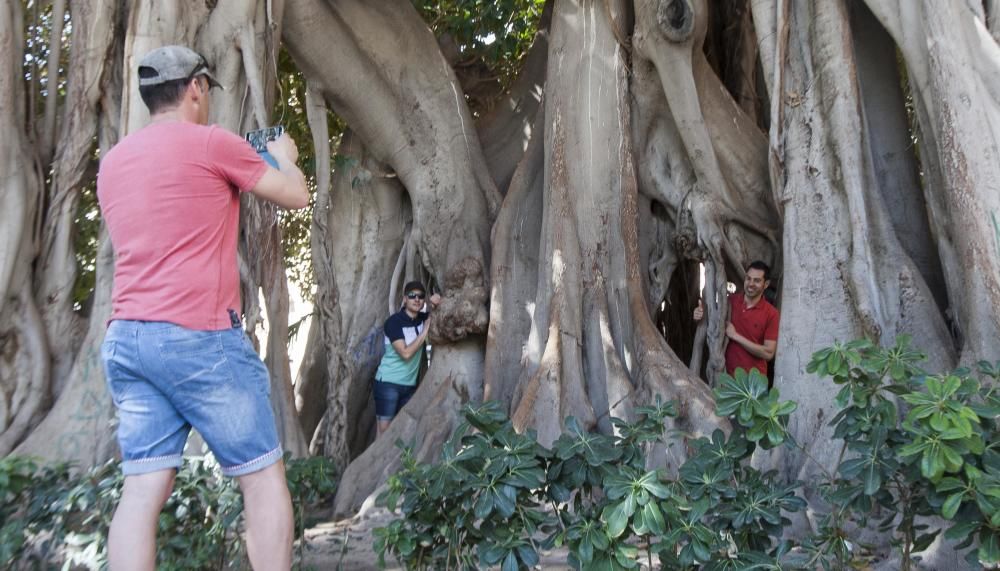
258,140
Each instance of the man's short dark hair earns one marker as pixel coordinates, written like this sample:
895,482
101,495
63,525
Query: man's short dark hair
759,265
163,96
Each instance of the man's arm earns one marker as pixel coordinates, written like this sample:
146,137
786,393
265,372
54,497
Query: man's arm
285,185
765,351
406,352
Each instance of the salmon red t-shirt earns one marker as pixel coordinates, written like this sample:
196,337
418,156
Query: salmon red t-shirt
758,324
169,194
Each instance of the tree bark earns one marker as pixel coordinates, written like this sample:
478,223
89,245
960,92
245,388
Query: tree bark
846,275
24,355
506,130
566,268
410,114
361,234
92,56
954,65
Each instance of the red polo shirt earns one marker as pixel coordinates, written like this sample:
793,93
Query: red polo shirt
758,324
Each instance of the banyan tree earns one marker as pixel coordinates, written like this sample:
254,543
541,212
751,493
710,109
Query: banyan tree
641,145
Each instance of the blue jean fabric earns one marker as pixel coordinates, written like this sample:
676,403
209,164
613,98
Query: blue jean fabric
390,398
165,379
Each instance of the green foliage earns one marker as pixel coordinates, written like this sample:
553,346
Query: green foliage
492,33
501,495
746,397
914,445
52,515
25,506
310,483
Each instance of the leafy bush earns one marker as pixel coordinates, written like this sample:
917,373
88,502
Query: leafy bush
50,515
934,453
28,494
498,497
914,445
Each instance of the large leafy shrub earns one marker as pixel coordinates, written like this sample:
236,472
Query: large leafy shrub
498,497
914,445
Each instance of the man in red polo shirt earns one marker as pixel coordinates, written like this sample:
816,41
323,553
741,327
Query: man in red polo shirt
753,326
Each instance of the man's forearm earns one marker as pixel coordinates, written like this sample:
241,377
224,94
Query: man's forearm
754,349
408,351
297,179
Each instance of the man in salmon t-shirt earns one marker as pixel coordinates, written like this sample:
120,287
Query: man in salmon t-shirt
753,323
175,353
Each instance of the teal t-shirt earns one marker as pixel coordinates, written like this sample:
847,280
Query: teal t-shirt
393,369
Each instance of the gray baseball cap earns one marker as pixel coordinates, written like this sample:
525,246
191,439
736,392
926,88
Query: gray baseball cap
173,62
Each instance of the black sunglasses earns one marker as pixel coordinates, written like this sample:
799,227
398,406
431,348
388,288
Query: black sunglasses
414,295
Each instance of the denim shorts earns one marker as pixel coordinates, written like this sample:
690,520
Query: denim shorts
390,398
165,379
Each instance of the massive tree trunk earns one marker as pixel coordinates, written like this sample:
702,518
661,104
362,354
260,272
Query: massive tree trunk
24,369
360,248
406,105
571,331
846,274
851,268
954,67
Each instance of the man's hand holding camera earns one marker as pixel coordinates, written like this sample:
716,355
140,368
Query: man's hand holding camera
283,149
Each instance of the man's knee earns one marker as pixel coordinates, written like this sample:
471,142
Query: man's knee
148,491
268,482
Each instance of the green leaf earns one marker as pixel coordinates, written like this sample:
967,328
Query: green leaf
653,518
961,530
528,555
504,499
509,562
932,463
951,505
913,448
701,551
872,478
616,516
484,504
585,550
949,484
989,548
924,541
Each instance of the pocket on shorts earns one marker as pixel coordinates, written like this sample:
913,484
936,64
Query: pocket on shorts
181,343
191,356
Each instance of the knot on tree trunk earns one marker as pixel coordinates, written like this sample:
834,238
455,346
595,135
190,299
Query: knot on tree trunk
676,19
686,238
462,311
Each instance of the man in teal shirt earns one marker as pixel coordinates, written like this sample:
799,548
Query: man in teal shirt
405,334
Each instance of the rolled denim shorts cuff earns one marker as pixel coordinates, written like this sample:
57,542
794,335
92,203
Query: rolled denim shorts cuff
148,465
255,465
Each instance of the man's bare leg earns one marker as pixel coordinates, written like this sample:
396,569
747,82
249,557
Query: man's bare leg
132,538
383,425
268,511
